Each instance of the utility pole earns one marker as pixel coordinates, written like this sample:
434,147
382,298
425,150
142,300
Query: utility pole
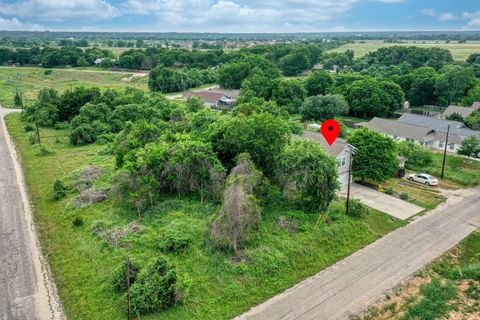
445,151
349,179
38,131
128,290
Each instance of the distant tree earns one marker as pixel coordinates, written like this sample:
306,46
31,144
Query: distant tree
318,82
194,104
321,108
294,63
288,93
307,174
474,58
472,96
73,99
240,211
470,147
417,156
453,84
375,157
422,87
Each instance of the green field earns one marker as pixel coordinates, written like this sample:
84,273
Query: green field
82,258
460,51
31,80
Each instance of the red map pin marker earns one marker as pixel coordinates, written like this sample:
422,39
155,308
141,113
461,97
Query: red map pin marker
330,130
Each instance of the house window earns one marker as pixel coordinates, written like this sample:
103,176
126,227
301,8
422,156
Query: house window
342,161
451,146
440,144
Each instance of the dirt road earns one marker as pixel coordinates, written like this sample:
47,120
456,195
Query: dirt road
354,283
26,291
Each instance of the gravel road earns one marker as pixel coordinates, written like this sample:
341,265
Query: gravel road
26,291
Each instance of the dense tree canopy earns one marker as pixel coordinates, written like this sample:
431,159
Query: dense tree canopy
453,84
289,93
318,82
321,108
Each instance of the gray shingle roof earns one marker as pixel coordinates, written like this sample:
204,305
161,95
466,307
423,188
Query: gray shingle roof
334,150
439,125
463,111
399,129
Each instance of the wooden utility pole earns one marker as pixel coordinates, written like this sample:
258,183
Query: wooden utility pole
445,151
349,180
128,290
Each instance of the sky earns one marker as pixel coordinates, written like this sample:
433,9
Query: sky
239,16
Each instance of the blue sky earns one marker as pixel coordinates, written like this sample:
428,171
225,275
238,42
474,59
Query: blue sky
239,15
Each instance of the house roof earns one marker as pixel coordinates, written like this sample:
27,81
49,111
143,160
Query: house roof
463,111
399,129
333,150
439,125
214,94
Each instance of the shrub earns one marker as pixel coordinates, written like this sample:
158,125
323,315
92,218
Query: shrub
77,222
47,72
119,279
58,190
455,162
154,287
44,152
404,196
356,209
389,191
28,127
61,126
175,238
32,138
265,262
417,155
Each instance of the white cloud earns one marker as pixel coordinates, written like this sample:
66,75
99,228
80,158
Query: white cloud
15,24
473,19
447,16
389,1
60,10
429,12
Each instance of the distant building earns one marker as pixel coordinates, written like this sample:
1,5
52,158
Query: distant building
216,98
463,111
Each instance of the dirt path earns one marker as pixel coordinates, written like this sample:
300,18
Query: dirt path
353,284
26,289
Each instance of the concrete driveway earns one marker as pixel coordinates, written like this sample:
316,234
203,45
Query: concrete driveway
381,201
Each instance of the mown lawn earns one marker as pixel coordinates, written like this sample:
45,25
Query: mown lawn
82,259
459,171
460,51
30,81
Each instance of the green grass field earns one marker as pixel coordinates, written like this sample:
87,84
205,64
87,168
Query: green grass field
83,262
460,51
31,80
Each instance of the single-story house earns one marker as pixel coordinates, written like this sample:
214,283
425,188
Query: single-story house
425,131
339,150
463,111
216,98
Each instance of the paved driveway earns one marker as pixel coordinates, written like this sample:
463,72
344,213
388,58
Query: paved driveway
381,201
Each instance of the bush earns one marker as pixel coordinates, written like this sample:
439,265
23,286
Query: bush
28,127
61,126
404,196
389,191
175,238
119,279
154,288
418,156
77,222
44,152
47,72
58,190
455,162
265,262
356,209
32,138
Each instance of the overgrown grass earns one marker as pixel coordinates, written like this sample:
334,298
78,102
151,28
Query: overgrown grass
83,261
29,81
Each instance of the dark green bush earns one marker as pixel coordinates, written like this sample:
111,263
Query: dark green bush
154,288
404,196
77,222
29,127
389,191
119,279
58,190
356,209
44,152
47,72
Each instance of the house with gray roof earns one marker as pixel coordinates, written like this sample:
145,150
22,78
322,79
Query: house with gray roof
339,150
462,111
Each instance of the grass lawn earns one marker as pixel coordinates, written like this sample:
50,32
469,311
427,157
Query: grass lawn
82,259
459,171
449,288
31,80
460,51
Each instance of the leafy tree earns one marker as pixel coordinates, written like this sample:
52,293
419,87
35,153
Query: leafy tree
258,105
453,84
294,63
472,96
307,174
343,80
470,147
256,85
318,82
473,120
262,135
194,104
289,93
375,155
167,80
73,99
240,212
44,112
321,108
422,87
417,156
232,75
372,97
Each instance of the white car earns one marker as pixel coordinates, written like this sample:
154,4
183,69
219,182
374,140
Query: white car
423,178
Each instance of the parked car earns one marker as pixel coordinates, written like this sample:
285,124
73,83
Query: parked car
423,178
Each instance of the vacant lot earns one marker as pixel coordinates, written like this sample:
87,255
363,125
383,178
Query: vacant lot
460,51
85,245
30,80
